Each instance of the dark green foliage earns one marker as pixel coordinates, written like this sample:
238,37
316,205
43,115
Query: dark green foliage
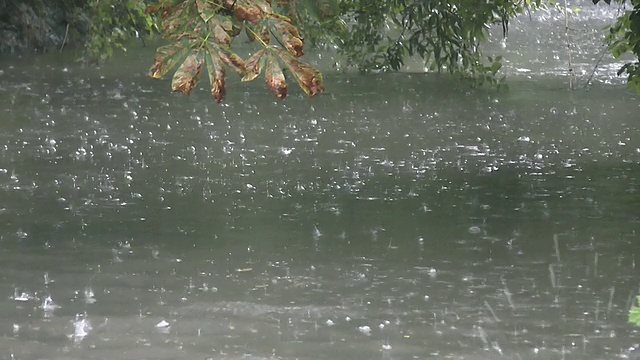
98,27
624,38
370,35
379,35
110,24
33,25
634,312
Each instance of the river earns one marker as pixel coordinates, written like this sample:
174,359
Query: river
396,216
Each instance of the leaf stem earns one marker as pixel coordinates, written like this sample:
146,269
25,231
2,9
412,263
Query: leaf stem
265,45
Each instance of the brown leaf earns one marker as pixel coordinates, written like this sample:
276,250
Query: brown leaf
221,36
250,14
166,58
289,34
218,90
254,66
223,29
274,77
265,35
226,23
186,77
150,9
177,20
234,61
249,10
207,9
309,78
217,75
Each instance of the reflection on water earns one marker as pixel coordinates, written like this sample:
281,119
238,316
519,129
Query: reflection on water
396,217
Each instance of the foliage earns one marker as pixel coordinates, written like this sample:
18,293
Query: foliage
371,35
319,20
624,38
380,34
110,24
201,33
634,312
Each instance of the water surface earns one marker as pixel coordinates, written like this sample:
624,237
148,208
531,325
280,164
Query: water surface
397,216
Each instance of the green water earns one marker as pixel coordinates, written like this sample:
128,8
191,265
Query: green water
397,216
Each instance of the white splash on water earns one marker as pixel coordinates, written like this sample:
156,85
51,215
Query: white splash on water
81,327
116,256
365,329
163,327
89,296
316,233
162,324
47,279
48,305
23,296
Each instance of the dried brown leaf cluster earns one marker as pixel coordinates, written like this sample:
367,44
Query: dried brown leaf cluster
202,32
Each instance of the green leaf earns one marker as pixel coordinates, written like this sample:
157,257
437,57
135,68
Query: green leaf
254,65
186,77
634,313
207,9
234,61
166,58
495,67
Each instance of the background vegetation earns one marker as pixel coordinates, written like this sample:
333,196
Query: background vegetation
371,35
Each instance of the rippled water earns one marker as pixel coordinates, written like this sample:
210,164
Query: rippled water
395,217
